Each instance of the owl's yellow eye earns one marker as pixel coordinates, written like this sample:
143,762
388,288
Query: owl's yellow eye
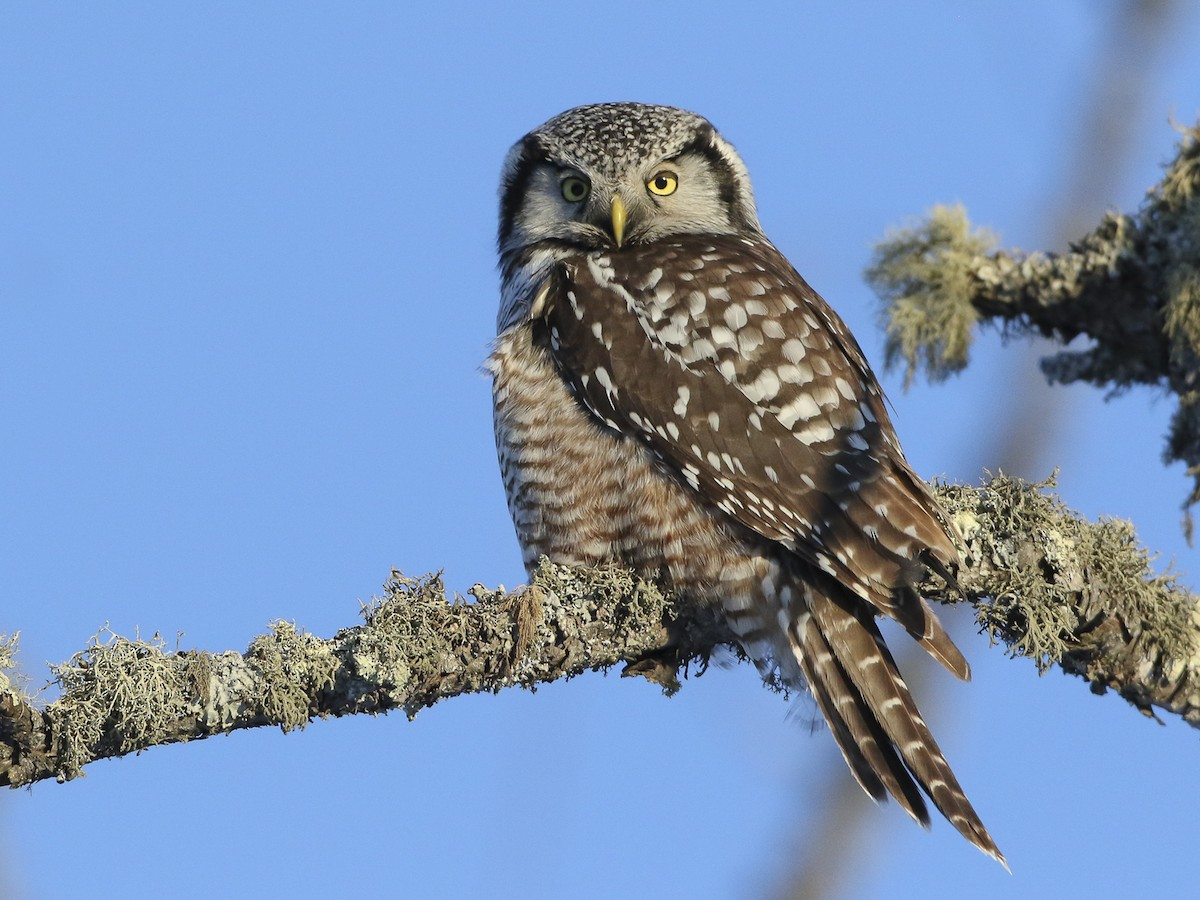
574,189
663,184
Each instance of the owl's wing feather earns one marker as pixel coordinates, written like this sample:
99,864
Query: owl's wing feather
736,374
750,391
865,745
856,645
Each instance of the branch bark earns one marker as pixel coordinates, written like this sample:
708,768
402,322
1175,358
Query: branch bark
1131,286
1045,582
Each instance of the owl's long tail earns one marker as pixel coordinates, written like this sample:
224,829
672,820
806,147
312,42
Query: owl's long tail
872,715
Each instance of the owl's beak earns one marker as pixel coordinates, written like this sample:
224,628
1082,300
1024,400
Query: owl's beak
618,219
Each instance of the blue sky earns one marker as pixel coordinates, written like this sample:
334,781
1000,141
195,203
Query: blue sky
246,285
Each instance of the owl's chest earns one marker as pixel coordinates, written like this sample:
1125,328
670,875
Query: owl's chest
580,493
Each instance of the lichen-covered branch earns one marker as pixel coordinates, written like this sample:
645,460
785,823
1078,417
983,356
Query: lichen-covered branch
1057,588
415,648
1046,583
1131,286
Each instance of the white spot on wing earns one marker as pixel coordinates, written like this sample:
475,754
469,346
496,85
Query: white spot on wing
803,407
816,432
770,327
794,350
723,337
681,401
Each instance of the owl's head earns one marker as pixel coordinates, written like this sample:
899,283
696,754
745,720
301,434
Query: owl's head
618,174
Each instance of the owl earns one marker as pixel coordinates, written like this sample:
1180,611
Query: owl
669,394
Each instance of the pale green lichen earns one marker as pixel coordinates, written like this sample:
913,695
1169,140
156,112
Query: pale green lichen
1180,184
1181,316
622,594
926,277
620,604
8,662
123,691
292,666
1131,286
1181,321
407,633
1050,578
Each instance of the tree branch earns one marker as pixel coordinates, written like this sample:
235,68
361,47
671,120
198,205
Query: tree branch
1131,286
1044,581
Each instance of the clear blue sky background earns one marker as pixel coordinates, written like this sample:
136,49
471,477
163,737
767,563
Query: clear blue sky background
246,285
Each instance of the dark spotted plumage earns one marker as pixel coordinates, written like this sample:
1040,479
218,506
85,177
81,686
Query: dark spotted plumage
671,394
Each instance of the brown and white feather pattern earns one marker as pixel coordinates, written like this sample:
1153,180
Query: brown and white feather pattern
747,384
689,406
